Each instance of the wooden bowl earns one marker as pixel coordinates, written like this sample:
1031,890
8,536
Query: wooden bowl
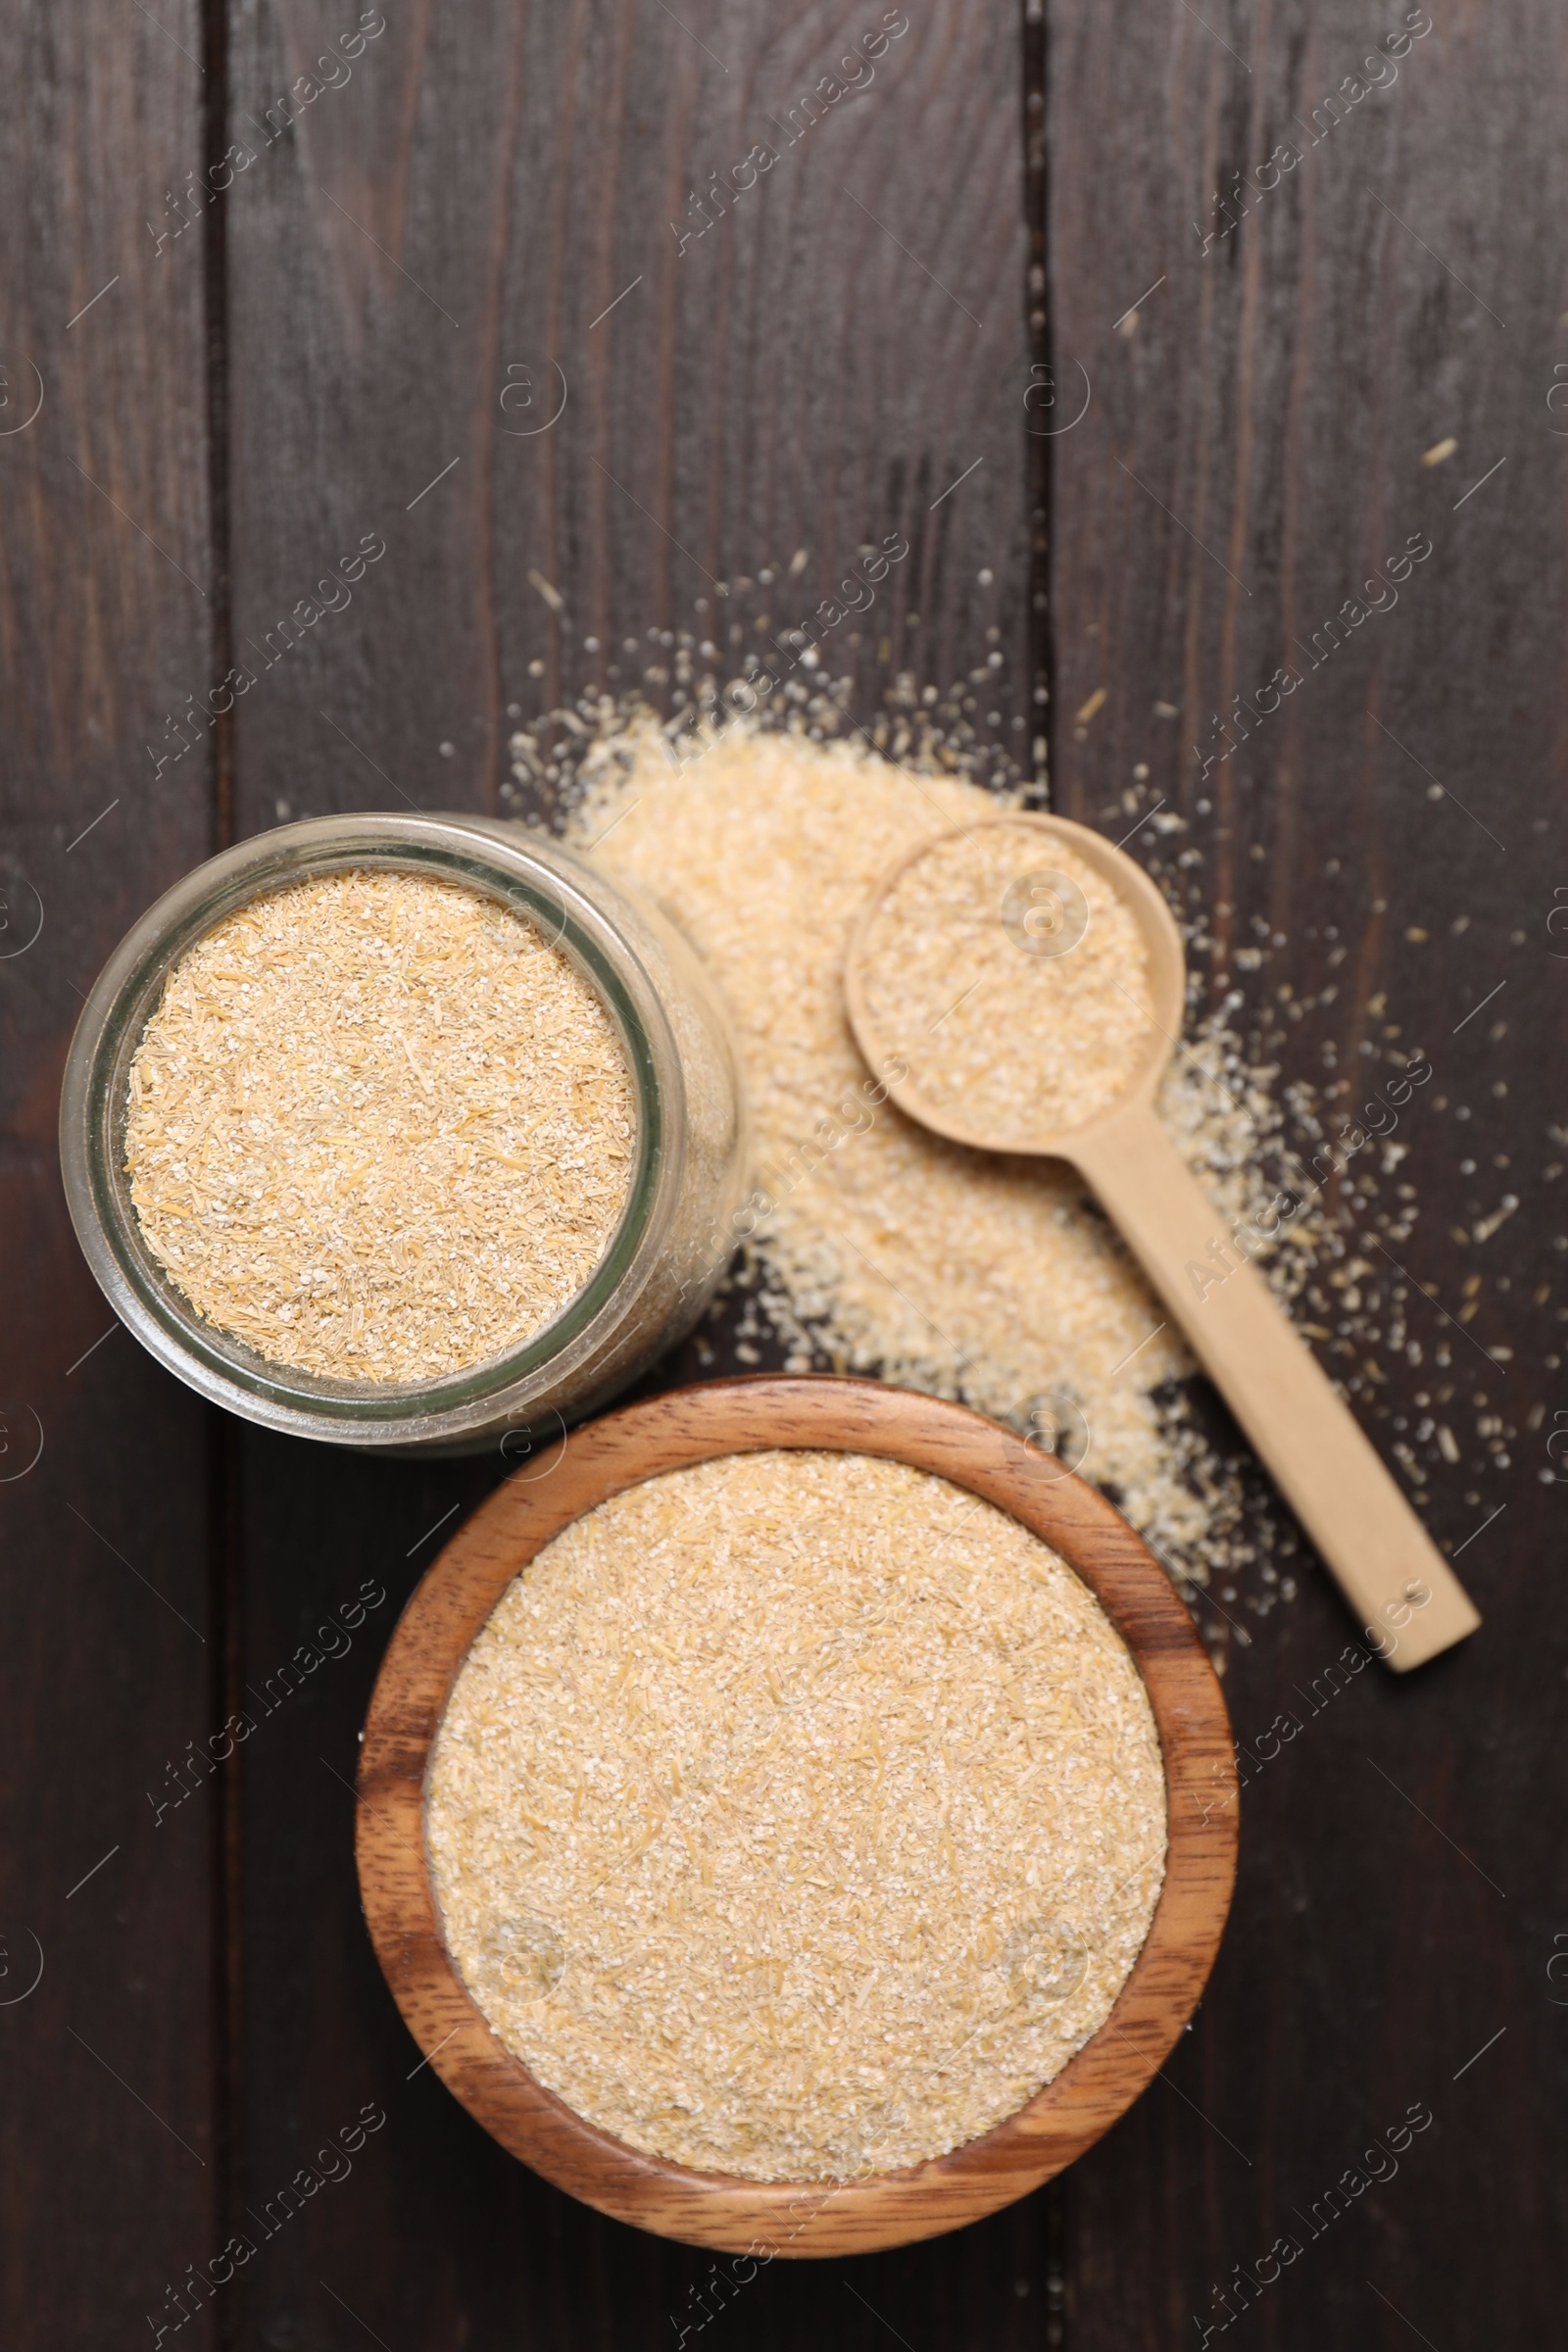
720,2210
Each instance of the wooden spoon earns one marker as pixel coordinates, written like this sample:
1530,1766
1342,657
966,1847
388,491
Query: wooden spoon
1406,1596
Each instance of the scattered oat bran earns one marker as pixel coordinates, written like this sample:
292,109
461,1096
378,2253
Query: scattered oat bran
1021,1015
378,1127
788,795
969,1273
796,1814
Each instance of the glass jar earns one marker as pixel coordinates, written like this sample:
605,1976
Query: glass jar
666,1254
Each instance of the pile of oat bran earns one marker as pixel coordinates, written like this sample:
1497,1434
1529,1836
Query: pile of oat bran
993,1279
796,1815
1001,1036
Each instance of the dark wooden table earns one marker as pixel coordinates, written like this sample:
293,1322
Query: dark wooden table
262,329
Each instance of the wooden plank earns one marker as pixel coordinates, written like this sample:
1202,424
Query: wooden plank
805,377
477,207
792,379
1256,443
110,2155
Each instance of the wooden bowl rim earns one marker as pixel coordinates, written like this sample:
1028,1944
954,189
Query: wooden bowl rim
764,2219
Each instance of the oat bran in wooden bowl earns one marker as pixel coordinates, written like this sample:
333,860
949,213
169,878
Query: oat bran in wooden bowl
827,1838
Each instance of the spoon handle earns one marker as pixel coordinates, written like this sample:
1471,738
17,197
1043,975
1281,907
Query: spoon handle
1366,1531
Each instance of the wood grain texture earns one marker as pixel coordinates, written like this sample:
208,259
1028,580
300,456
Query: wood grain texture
1391,832
792,383
796,2219
446,234
110,2122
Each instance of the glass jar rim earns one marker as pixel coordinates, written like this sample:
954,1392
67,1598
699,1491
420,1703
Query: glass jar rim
536,880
